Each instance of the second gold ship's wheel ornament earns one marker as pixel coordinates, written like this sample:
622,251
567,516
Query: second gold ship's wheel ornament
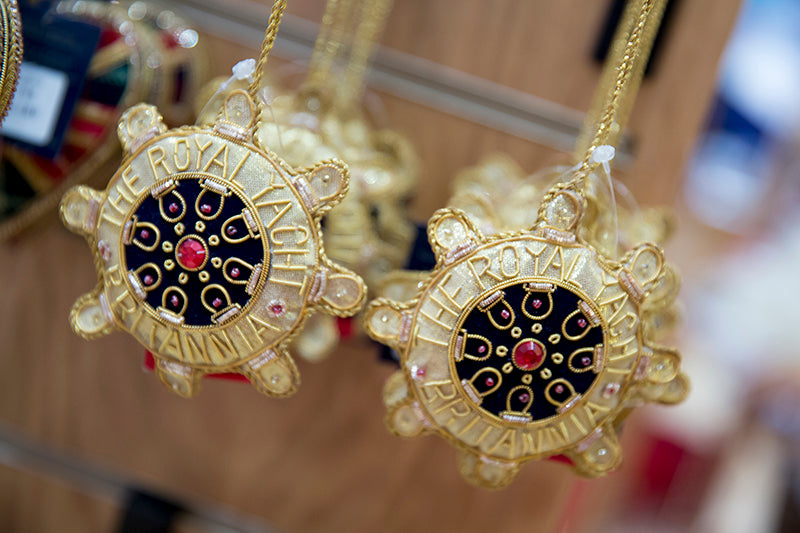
525,345
208,247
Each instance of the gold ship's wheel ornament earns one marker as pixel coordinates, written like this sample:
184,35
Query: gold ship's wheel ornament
526,345
209,250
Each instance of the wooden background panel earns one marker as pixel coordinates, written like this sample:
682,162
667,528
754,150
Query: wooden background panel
32,504
447,144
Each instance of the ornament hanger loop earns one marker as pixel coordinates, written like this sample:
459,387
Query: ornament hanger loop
347,34
373,20
632,59
275,16
330,41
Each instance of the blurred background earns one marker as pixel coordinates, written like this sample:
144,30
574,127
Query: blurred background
90,441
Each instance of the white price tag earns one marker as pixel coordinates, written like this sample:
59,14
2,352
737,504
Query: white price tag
37,104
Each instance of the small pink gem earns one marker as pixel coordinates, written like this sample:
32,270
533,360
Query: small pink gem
489,381
105,250
174,300
144,234
205,208
234,272
481,349
148,279
586,361
231,230
504,313
581,322
537,303
276,308
420,372
524,397
610,390
559,389
173,207
216,302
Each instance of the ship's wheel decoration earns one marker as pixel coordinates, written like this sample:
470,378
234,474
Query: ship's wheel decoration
208,249
526,345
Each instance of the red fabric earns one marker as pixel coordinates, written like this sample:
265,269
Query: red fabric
107,36
346,327
662,463
85,126
561,459
671,478
169,40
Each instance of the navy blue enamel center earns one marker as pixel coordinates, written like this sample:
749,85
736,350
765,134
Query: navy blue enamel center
195,252
528,351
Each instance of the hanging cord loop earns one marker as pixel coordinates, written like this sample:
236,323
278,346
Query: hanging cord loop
631,60
331,41
373,20
271,32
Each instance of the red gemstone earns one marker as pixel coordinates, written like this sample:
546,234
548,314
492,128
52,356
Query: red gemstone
191,254
173,207
524,397
231,230
504,313
216,302
420,372
205,208
148,279
144,234
489,381
537,303
234,272
586,361
581,322
559,389
481,349
174,300
528,355
276,309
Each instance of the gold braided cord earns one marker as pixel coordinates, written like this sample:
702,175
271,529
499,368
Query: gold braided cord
331,40
622,77
609,75
271,32
374,15
324,46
